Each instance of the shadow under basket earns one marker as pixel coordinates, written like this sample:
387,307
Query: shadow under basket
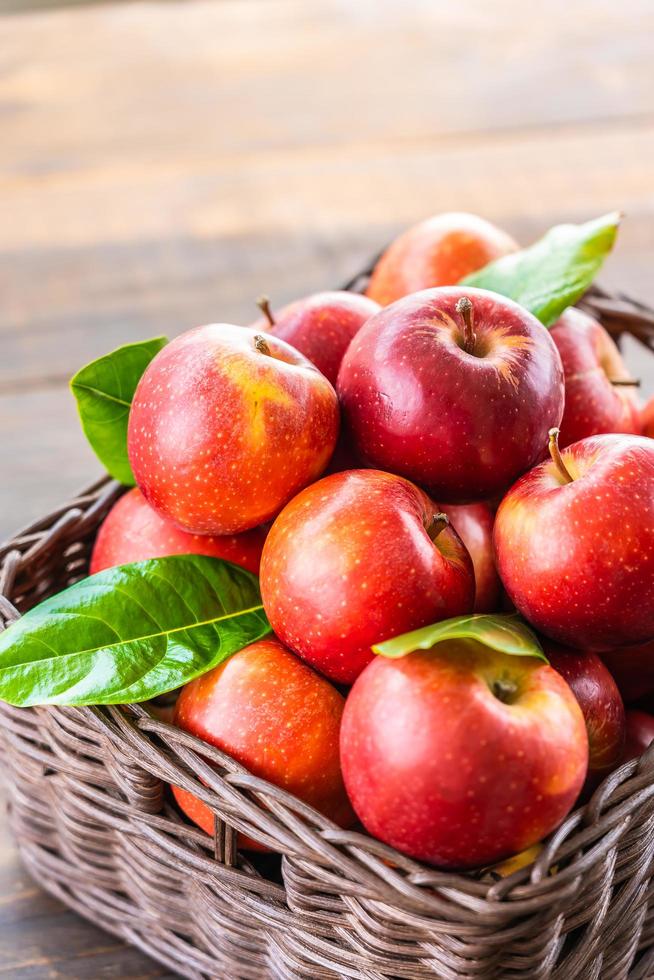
93,818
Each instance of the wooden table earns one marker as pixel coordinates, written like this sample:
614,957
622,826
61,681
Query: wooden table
162,164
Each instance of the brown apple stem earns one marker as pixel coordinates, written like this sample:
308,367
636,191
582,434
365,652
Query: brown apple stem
261,345
555,453
438,523
504,690
465,310
264,305
625,382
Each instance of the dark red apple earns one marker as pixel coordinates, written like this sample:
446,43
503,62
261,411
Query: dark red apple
275,716
455,389
133,531
461,756
440,251
320,326
647,419
355,559
640,734
574,543
633,670
226,425
600,703
600,395
474,525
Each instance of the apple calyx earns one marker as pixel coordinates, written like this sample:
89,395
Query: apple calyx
504,690
465,310
437,524
264,305
261,344
557,459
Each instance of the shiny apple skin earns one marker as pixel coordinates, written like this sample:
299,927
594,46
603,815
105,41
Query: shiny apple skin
321,326
632,669
348,563
601,704
133,531
463,426
474,525
440,251
278,718
441,769
647,419
640,733
577,559
221,435
590,358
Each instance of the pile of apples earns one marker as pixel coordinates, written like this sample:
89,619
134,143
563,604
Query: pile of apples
475,462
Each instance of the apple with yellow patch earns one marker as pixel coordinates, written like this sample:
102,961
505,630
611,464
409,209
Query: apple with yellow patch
454,389
226,425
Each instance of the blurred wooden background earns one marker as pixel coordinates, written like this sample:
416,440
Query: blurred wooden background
163,163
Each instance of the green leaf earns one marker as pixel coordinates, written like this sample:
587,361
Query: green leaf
507,634
104,390
130,633
555,272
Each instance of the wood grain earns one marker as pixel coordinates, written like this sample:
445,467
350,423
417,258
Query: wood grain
162,164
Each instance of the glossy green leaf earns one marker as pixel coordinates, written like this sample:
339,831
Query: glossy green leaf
130,633
104,390
507,634
555,272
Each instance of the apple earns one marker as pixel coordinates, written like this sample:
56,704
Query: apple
278,718
633,670
574,543
320,326
647,419
600,703
460,756
640,734
454,389
474,525
226,425
599,392
355,559
437,252
133,531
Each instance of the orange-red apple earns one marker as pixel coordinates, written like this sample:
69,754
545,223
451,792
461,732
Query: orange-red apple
226,425
440,251
275,716
647,419
461,756
574,543
455,389
134,531
355,559
474,525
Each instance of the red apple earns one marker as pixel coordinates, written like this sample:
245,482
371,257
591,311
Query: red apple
640,734
647,419
574,543
437,252
599,396
633,670
321,326
355,559
226,425
275,716
461,756
455,389
474,525
133,531
600,703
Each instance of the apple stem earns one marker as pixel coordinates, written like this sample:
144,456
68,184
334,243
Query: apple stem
261,344
438,523
264,305
625,382
555,453
465,310
505,691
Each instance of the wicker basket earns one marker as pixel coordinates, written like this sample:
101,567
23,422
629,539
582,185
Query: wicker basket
95,825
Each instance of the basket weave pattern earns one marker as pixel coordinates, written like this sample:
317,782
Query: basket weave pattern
92,815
